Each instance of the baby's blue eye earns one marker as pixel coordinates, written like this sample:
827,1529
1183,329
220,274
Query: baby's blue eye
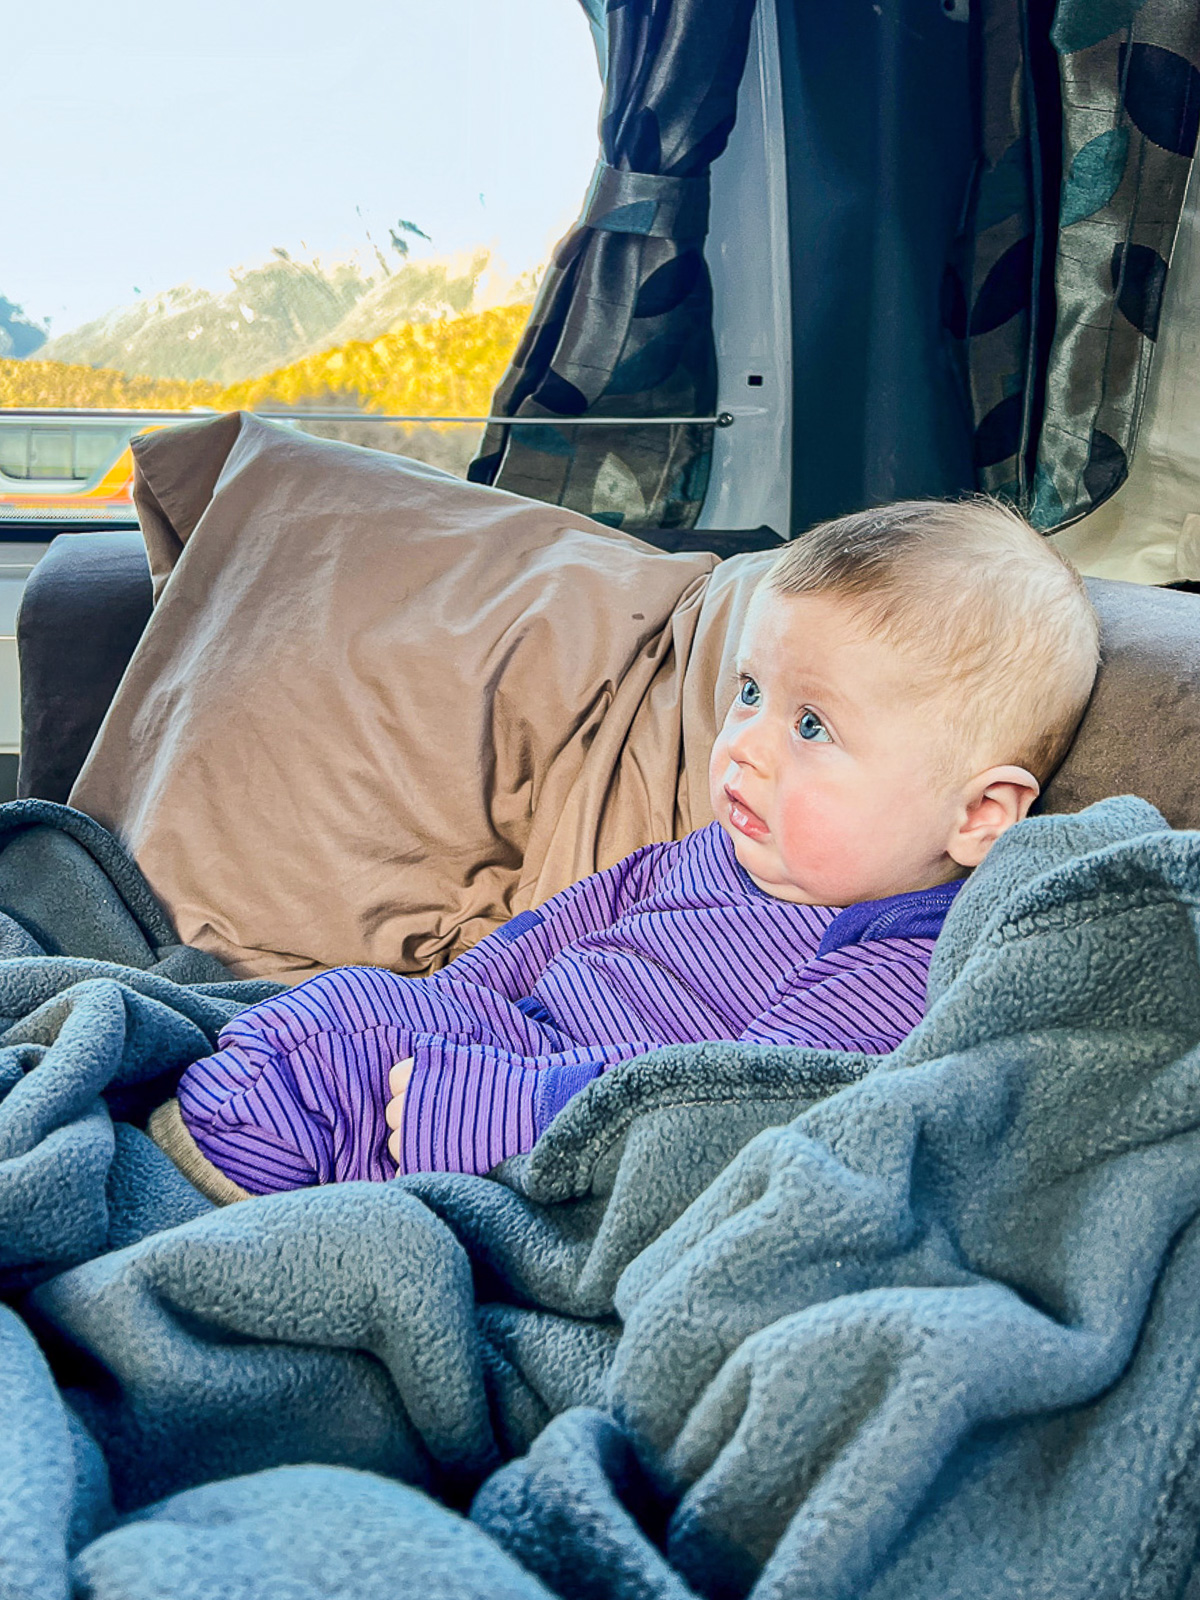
811,727
749,694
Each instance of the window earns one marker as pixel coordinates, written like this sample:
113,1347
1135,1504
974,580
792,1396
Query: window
285,207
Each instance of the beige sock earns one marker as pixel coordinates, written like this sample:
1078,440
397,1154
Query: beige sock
169,1132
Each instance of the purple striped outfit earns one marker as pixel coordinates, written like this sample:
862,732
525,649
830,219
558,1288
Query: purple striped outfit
673,945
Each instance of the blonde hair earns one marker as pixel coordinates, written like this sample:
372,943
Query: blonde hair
979,603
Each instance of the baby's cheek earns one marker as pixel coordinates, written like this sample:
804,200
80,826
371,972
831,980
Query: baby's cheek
819,840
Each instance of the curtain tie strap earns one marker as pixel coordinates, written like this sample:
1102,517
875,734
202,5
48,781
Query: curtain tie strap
646,203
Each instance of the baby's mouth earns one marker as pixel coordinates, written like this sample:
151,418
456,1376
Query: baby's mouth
743,819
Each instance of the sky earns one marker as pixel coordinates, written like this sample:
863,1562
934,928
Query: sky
166,141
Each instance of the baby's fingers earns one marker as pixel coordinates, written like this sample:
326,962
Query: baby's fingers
398,1081
398,1078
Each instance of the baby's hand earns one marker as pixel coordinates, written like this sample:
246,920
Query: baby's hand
398,1081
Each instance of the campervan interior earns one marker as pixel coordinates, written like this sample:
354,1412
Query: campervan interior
399,408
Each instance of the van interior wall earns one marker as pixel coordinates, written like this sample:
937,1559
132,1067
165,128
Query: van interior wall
880,142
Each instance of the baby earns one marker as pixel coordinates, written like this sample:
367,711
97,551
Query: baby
906,680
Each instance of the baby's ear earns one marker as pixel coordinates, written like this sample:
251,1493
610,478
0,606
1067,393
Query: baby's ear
994,800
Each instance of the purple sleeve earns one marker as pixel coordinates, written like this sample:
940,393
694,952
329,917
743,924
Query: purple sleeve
469,1106
511,958
866,998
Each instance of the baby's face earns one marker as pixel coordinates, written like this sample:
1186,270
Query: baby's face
825,773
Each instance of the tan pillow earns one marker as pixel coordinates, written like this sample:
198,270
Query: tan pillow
377,710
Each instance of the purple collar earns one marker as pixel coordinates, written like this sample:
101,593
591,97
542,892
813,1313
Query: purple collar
916,915
919,914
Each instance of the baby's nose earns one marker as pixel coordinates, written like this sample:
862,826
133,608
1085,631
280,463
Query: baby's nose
747,748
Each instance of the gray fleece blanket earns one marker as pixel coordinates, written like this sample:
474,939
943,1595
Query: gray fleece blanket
758,1322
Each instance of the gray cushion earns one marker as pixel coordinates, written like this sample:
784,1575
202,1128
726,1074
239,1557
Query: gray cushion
1141,733
81,615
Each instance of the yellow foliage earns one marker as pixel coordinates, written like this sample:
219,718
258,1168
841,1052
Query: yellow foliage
55,383
446,368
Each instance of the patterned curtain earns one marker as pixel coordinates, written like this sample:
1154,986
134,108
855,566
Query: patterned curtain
622,324
1088,120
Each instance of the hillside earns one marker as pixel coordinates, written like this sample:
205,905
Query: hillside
269,315
420,292
449,367
272,315
55,383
